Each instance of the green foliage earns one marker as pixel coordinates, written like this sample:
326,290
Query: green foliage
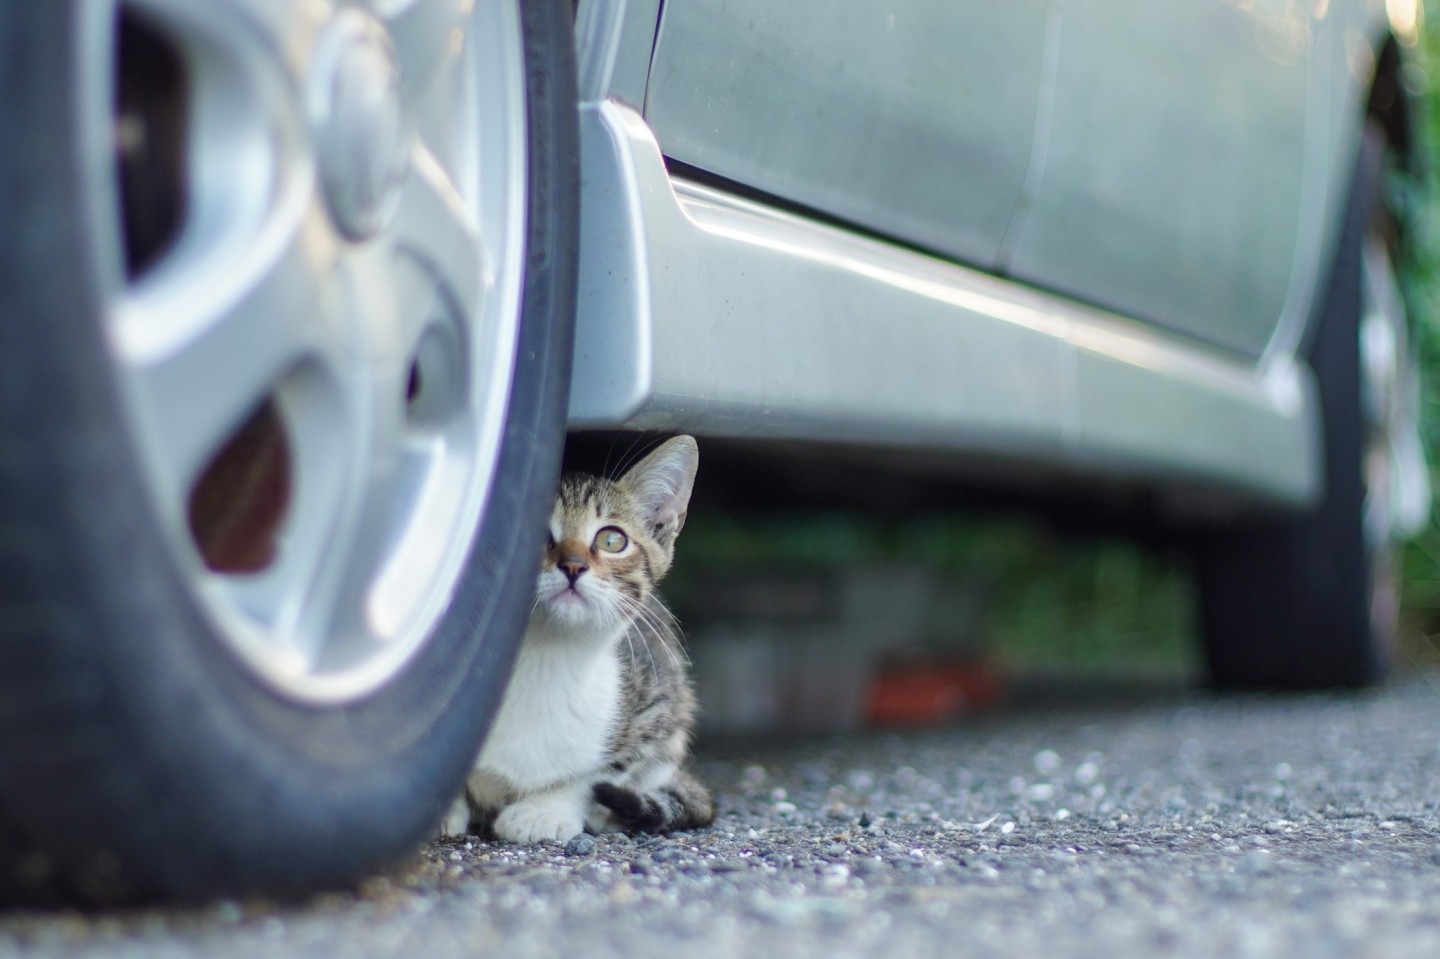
1049,604
1420,280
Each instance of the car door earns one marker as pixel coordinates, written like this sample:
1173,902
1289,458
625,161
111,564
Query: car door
913,119
1172,188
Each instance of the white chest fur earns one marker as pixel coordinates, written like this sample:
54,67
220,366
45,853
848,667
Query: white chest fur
556,719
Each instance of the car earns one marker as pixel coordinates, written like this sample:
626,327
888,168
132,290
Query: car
303,299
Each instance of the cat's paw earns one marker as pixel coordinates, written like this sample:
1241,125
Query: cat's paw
527,821
457,820
600,820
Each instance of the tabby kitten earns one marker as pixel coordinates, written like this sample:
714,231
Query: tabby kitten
595,726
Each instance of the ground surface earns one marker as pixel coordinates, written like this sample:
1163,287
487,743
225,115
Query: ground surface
1119,823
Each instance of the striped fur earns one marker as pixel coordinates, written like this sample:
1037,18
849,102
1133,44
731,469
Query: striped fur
594,730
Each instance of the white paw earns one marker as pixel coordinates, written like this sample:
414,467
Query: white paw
457,820
528,821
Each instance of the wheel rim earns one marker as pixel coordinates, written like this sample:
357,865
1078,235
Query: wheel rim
1397,494
311,277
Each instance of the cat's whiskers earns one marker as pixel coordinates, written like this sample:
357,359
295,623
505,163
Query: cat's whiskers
631,455
654,666
634,615
665,630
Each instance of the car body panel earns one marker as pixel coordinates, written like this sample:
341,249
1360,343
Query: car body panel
911,118
1174,164
729,316
614,40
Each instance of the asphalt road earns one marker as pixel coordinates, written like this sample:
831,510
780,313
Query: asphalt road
1115,824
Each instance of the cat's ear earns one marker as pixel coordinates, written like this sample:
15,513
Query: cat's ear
662,481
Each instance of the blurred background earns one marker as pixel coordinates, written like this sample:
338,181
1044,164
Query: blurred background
823,619
1420,636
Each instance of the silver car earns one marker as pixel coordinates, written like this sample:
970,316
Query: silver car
301,297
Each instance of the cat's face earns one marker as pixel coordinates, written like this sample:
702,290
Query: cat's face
611,541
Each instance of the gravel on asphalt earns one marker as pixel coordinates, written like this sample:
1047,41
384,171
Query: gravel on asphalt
1165,823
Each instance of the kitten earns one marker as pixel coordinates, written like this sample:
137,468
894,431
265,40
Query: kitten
596,723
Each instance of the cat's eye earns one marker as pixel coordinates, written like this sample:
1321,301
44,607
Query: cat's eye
611,540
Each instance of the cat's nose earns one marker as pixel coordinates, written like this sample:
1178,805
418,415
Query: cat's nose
572,567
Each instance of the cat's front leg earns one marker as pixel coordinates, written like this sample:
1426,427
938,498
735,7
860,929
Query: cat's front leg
457,820
557,813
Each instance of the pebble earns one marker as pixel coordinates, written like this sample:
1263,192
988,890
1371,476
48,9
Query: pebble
581,845
1046,762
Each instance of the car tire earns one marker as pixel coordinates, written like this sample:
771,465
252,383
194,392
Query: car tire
1310,602
145,752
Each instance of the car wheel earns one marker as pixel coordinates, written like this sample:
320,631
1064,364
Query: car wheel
1311,602
284,353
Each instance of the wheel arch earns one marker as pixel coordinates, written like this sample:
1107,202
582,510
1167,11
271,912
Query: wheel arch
1391,104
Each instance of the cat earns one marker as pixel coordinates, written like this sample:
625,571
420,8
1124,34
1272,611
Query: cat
594,729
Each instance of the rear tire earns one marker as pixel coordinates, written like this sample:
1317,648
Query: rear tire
1310,602
141,754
